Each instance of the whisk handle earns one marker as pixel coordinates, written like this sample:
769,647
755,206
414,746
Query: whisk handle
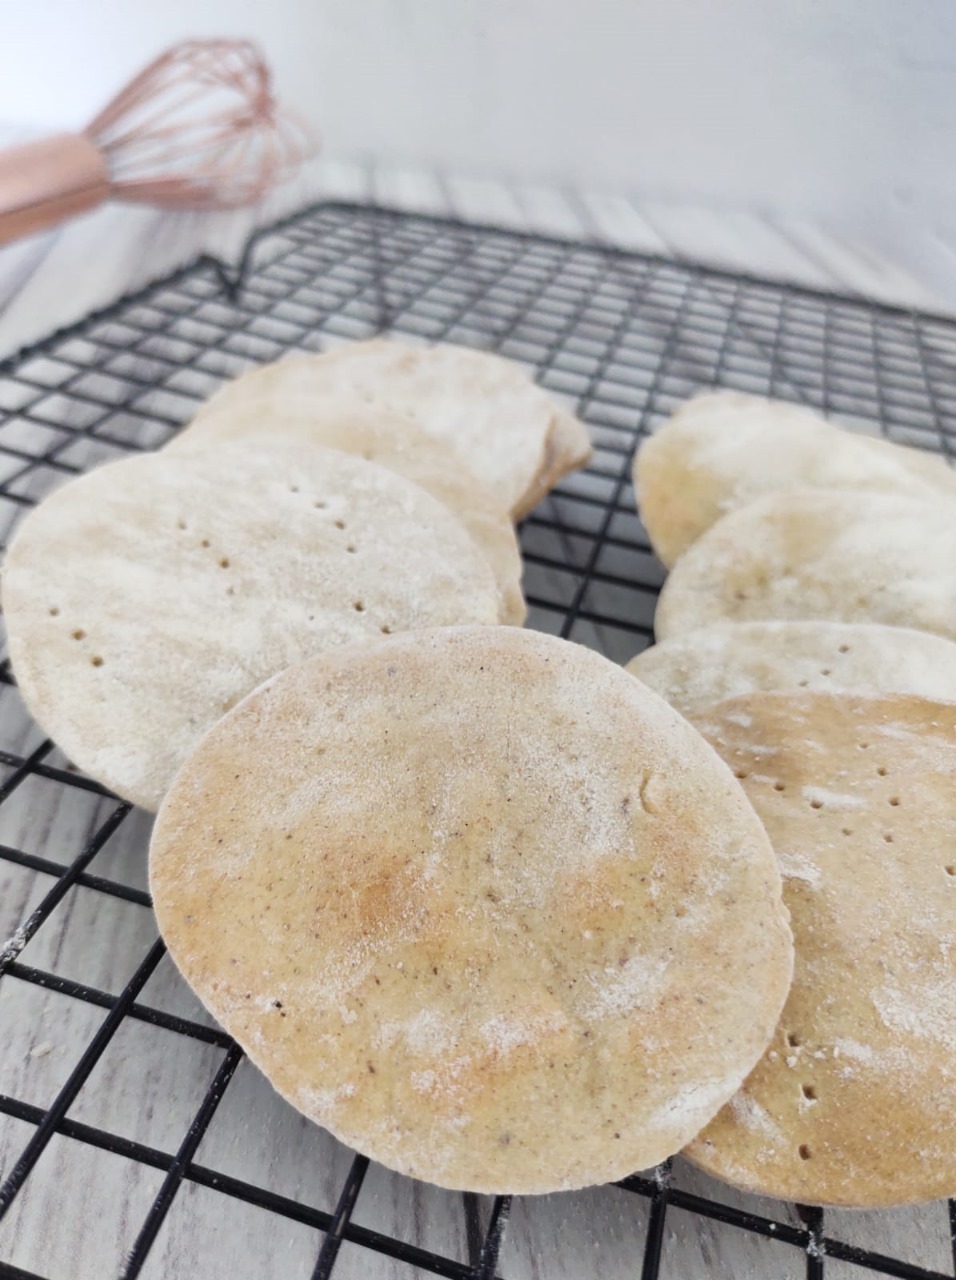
45,182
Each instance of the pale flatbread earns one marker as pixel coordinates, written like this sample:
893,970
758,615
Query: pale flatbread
479,903
846,557
392,442
855,1103
144,599
485,407
695,670
569,449
723,449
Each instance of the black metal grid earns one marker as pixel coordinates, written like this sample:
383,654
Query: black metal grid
624,338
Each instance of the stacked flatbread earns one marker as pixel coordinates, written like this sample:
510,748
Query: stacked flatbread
311,503
515,438
807,629
472,897
475,898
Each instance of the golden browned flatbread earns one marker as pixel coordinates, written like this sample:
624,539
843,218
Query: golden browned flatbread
478,902
855,1102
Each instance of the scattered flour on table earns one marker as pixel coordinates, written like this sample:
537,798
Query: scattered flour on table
13,946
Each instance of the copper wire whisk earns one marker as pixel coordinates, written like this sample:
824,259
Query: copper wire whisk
199,128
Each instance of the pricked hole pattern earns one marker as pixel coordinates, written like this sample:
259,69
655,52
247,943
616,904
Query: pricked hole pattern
804,1151
96,661
224,562
844,648
640,335
340,524
358,606
779,786
205,543
888,837
53,611
809,1092
79,634
793,1040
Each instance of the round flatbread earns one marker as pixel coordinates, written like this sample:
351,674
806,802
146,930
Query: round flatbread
392,442
810,554
146,598
479,903
695,670
855,1102
723,449
568,449
484,407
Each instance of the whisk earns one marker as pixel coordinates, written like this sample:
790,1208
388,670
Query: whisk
199,128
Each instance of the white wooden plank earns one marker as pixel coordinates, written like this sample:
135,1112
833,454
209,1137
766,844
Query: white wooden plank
416,190
733,240
480,200
619,222
551,211
340,180
856,269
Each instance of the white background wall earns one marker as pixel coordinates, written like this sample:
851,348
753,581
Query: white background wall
842,110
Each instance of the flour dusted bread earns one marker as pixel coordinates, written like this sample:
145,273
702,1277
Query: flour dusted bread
695,670
568,449
723,449
810,554
391,441
146,598
855,1102
479,903
507,430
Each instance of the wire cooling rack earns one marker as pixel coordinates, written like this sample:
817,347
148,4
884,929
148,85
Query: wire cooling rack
135,1139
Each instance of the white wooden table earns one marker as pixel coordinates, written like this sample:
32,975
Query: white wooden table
149,1083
